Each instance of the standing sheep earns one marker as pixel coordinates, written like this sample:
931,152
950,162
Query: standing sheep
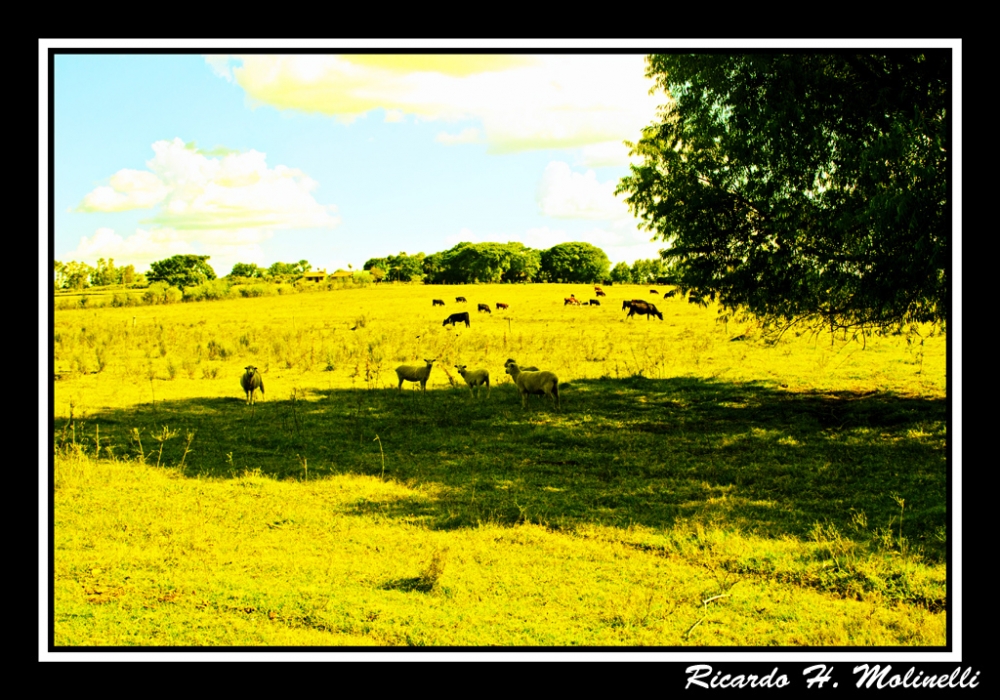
534,383
413,373
510,361
251,381
475,378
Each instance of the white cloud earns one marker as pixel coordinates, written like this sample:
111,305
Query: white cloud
469,135
139,249
522,102
224,207
236,191
606,153
220,66
565,194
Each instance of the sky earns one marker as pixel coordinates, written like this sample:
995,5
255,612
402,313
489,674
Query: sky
339,158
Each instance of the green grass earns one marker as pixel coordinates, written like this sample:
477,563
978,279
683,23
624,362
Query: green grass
803,479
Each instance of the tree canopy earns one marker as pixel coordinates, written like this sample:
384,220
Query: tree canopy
181,271
575,262
802,186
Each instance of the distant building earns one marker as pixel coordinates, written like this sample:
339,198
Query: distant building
315,276
342,274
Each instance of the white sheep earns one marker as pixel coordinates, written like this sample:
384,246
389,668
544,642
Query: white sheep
475,378
510,361
251,381
411,373
534,383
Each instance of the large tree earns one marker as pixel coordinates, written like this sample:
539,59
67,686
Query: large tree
575,262
803,186
181,271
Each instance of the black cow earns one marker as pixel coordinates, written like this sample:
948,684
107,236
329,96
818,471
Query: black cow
595,302
457,318
644,308
437,302
461,299
485,307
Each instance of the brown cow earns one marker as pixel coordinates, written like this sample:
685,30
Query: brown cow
501,305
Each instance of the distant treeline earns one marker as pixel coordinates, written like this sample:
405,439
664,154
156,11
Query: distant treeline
465,263
468,263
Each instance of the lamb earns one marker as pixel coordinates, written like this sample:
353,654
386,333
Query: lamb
510,361
413,373
475,378
534,383
251,381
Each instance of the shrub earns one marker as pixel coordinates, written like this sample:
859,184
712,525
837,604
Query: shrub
209,290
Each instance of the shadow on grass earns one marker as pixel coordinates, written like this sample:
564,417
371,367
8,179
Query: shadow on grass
649,452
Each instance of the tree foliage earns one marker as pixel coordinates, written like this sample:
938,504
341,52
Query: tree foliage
283,269
575,262
398,268
802,186
249,270
181,271
483,262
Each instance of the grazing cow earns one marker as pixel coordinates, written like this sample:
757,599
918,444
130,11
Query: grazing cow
644,309
461,299
667,295
595,302
626,304
501,305
600,293
653,291
437,302
485,307
571,300
457,318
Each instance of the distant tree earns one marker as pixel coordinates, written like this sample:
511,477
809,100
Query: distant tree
128,275
523,263
575,262
75,275
803,186
247,270
621,273
105,273
281,269
181,271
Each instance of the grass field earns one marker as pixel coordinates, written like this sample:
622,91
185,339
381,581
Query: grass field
701,485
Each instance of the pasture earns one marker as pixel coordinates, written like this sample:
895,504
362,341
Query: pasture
701,485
